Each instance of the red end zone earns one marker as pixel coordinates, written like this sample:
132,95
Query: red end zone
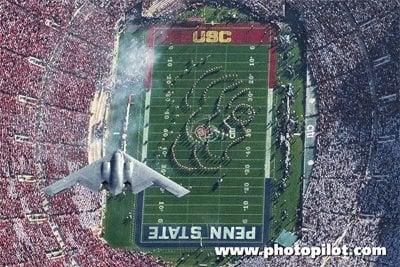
257,34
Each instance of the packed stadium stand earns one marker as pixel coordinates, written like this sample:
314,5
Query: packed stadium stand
353,194
55,55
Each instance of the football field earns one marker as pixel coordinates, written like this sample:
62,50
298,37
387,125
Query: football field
207,126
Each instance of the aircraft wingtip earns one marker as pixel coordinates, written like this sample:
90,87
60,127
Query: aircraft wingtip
185,192
48,191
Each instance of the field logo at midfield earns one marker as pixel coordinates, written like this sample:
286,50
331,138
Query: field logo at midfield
212,37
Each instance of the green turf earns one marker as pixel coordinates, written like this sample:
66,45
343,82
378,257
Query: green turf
118,225
289,199
242,189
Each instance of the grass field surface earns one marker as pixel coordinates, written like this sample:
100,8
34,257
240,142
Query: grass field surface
207,130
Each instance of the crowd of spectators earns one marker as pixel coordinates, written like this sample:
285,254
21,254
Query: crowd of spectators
53,55
353,190
169,8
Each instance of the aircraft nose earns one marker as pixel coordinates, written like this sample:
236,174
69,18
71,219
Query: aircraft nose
113,192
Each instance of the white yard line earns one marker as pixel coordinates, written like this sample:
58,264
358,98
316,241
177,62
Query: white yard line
199,97
230,196
251,168
235,178
185,88
236,71
268,135
180,124
202,205
205,214
210,45
230,186
146,125
238,159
